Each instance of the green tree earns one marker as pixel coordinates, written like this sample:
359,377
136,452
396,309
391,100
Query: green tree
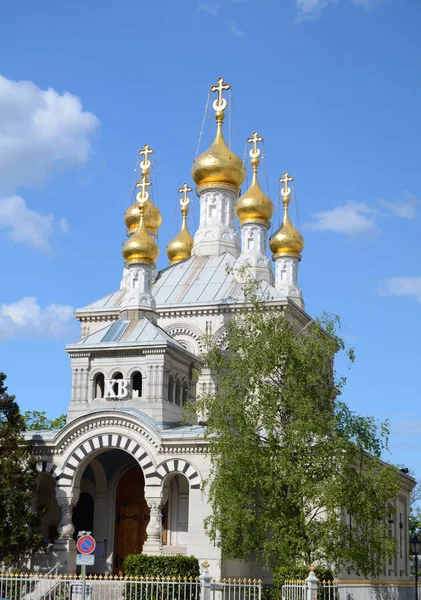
296,476
415,510
36,420
19,531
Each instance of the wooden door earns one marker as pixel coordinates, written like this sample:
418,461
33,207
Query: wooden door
132,516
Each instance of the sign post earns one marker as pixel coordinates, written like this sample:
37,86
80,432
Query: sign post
85,546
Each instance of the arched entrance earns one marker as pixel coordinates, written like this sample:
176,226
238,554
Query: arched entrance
131,516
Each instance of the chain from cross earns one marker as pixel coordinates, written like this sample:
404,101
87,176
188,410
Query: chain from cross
143,195
220,103
254,140
146,163
184,201
285,179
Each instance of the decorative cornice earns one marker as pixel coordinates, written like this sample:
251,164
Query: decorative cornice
106,422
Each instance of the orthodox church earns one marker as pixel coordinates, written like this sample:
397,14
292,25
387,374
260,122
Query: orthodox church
125,466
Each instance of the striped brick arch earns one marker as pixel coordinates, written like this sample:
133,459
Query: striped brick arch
107,441
182,467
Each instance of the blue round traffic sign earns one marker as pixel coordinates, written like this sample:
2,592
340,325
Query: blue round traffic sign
86,544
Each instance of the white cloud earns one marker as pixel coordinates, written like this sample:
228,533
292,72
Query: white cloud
235,31
210,7
404,207
26,319
25,226
64,225
401,286
352,218
309,8
40,131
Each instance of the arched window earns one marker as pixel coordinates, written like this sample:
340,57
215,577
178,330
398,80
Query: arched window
170,389
177,392
116,375
137,384
99,385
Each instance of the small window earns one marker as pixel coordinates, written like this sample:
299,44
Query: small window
137,384
170,389
99,385
178,392
185,395
117,375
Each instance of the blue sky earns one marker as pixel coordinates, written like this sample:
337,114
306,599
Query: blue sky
333,87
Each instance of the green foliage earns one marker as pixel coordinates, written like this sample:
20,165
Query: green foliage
141,565
296,476
19,536
283,574
183,568
36,420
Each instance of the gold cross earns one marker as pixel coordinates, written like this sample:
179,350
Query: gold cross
285,179
253,140
184,201
145,164
220,103
143,195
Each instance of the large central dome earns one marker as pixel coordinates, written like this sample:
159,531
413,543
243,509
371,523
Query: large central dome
218,165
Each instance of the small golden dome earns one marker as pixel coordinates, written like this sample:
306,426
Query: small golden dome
181,246
153,218
219,165
140,248
254,206
286,241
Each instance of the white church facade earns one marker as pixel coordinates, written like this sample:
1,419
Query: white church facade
125,466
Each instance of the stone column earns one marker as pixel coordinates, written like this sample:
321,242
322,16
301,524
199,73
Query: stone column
217,233
286,278
253,253
153,543
312,583
65,546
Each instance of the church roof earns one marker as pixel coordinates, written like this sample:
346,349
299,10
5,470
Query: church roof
197,280
128,333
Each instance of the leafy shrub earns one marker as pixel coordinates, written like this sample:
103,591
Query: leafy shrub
180,567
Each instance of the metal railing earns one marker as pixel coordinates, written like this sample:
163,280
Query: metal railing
109,587
294,589
236,589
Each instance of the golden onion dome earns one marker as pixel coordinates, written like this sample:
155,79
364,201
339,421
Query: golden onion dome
219,166
140,248
254,206
152,217
181,246
287,241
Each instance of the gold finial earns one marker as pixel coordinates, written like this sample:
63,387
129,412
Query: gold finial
181,246
143,195
253,140
184,201
145,165
254,206
287,241
220,103
286,191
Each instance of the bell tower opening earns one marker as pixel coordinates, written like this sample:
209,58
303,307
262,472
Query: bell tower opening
131,516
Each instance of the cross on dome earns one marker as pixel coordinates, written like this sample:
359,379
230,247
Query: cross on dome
185,201
285,179
254,140
220,103
143,195
145,164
